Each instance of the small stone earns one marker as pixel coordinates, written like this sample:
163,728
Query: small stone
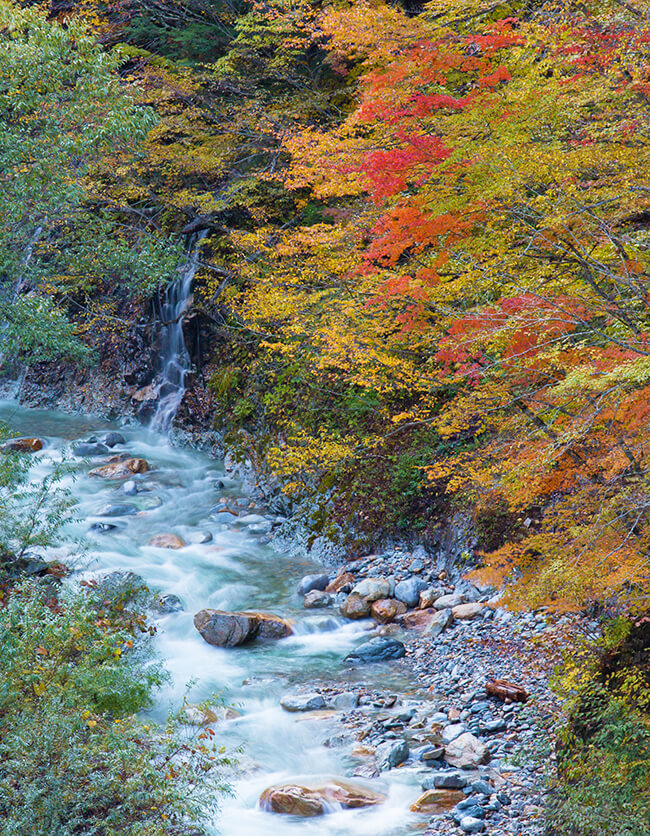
466,752
341,583
346,702
434,802
392,753
440,622
491,726
429,595
408,591
482,787
465,612
431,753
112,439
380,649
448,780
386,609
310,582
448,602
315,598
372,589
303,702
468,824
452,731
355,607
129,488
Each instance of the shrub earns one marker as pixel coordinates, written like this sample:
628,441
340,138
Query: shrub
74,757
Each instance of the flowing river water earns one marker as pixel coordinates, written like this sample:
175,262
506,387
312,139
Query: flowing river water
236,570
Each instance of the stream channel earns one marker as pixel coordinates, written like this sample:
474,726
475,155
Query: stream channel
236,570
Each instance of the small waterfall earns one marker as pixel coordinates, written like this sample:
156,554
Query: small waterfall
174,357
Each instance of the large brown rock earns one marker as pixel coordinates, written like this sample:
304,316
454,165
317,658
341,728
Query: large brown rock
315,800
167,541
505,690
387,609
117,468
355,606
434,802
230,629
23,445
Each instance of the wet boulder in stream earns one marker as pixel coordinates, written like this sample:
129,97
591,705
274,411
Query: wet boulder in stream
167,541
307,800
231,629
119,468
86,449
311,582
112,439
22,445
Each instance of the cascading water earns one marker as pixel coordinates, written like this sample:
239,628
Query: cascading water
174,357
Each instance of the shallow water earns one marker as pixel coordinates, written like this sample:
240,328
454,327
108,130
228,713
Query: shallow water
236,570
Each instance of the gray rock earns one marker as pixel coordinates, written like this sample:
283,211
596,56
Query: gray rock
117,511
430,753
372,589
303,702
111,439
346,702
482,787
440,621
103,528
310,582
408,591
494,725
466,752
469,824
391,753
448,601
448,781
379,649
89,448
129,488
317,598
452,731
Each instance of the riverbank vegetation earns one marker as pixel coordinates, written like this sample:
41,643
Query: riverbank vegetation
424,286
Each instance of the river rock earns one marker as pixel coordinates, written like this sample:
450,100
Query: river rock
448,601
103,527
341,583
167,541
310,582
355,606
379,649
429,595
226,629
391,753
387,609
440,621
307,800
129,488
434,802
466,752
445,781
22,445
372,589
418,619
120,469
117,511
272,626
505,690
316,598
346,701
451,732
408,591
468,824
303,702
465,612
89,448
196,715
112,439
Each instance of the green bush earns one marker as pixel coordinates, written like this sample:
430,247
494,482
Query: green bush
74,757
603,786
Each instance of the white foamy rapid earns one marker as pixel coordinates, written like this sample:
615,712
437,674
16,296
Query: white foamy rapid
235,570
